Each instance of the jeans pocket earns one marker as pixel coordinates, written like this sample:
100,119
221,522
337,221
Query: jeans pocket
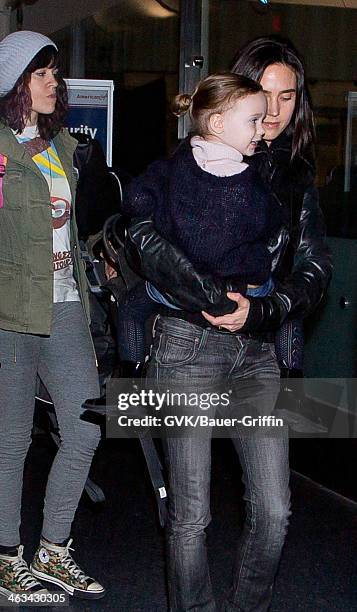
11,308
176,350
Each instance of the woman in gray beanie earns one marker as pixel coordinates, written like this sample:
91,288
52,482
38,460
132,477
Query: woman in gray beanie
43,316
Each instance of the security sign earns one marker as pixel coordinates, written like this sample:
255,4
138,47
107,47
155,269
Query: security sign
91,111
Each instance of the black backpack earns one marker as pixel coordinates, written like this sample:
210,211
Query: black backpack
98,191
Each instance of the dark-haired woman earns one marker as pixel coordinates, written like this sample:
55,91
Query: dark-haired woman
43,327
284,158
301,269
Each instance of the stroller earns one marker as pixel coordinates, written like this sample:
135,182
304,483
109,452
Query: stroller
112,243
105,296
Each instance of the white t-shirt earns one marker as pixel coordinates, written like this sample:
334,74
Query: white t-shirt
64,285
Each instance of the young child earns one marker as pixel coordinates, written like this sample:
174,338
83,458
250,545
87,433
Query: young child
206,201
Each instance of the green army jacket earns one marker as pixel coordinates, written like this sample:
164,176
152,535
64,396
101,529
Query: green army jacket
26,258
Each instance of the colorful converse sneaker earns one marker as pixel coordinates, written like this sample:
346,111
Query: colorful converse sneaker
53,563
15,576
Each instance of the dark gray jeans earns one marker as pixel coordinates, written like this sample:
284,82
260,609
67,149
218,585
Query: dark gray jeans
185,353
65,362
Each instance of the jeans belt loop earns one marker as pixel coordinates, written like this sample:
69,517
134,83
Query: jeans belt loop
154,325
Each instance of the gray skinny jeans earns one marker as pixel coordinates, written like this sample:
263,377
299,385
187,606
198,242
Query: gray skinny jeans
185,355
65,362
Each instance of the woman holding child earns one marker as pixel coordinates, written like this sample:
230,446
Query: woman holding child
212,222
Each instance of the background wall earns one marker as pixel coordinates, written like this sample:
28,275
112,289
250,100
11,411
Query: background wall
326,36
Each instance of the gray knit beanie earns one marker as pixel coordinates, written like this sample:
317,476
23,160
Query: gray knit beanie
17,50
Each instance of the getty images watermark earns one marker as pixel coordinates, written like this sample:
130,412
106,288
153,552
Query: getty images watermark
173,411
198,420
306,407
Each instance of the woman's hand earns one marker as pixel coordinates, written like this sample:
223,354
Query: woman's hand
232,322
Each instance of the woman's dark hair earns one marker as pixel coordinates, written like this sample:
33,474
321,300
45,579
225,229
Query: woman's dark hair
255,57
15,107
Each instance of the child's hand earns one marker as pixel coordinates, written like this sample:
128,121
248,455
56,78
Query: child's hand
232,322
109,270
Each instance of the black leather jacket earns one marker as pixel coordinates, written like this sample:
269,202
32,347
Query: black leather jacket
301,261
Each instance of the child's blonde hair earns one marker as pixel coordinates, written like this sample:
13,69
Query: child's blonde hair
214,94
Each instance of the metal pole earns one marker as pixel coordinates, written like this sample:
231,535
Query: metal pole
193,50
77,59
348,142
5,12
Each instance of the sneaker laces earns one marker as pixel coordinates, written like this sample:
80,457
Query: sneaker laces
69,563
22,572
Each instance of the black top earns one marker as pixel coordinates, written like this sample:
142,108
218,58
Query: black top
222,224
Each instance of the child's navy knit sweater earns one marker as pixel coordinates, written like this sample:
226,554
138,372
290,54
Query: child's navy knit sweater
222,224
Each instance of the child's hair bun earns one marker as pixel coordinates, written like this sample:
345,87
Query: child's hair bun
181,104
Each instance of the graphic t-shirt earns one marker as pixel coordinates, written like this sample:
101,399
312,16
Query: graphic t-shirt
48,162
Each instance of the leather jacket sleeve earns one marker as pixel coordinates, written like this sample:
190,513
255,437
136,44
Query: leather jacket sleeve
296,295
163,264
300,292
